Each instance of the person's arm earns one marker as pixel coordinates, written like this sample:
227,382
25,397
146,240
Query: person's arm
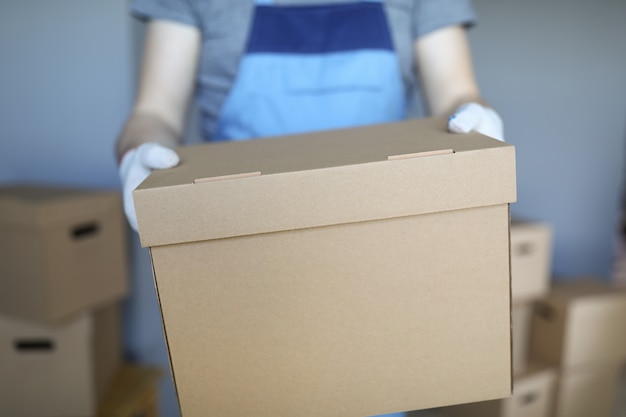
444,64
156,123
166,82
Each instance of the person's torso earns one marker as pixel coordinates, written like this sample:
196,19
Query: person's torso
226,26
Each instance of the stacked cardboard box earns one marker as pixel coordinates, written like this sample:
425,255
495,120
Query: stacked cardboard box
534,381
579,329
531,267
354,272
63,275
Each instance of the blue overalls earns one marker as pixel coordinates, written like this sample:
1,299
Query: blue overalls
314,67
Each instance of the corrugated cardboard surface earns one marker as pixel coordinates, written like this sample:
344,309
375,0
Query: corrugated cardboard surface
52,371
533,396
357,319
63,251
581,323
531,260
336,282
322,179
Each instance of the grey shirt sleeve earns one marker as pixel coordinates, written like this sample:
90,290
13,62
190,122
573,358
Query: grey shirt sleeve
181,11
435,14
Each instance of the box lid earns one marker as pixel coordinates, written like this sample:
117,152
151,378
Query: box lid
38,206
325,178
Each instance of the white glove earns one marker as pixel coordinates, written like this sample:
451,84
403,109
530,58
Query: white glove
135,167
473,116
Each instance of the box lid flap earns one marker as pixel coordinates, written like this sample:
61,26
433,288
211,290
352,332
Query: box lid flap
232,189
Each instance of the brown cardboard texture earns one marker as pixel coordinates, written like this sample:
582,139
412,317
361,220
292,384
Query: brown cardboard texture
533,396
588,391
63,251
51,371
581,323
531,260
331,279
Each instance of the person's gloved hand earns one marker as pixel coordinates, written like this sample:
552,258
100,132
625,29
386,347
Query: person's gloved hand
136,165
476,117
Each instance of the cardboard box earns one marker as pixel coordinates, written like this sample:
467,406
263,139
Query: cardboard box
533,396
581,323
63,251
334,273
52,371
620,402
587,391
531,260
521,315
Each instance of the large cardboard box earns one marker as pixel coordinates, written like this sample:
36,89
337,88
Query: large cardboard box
533,396
587,391
581,323
63,250
60,370
531,260
354,272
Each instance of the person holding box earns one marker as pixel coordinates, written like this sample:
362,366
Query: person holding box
262,68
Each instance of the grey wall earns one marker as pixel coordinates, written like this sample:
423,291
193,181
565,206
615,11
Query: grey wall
555,69
65,86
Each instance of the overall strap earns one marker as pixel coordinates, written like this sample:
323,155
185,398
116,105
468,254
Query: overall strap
271,2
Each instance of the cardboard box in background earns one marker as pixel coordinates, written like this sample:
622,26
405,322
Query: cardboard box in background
353,272
531,260
580,323
587,391
63,251
521,315
61,370
533,396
